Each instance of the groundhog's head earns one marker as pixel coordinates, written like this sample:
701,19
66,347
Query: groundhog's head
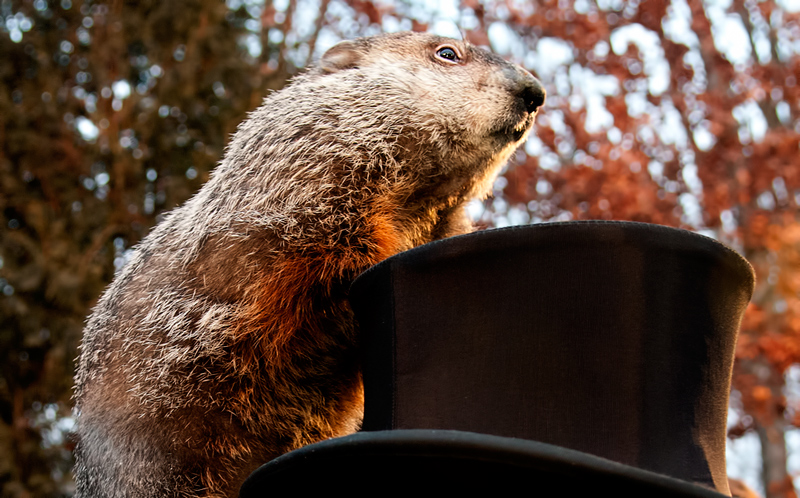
465,109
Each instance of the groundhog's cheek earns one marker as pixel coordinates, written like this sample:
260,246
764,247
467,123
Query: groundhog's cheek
487,114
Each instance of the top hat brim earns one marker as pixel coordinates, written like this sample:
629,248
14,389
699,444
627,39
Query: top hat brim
451,461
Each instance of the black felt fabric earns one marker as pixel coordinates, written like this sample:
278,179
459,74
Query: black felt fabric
614,339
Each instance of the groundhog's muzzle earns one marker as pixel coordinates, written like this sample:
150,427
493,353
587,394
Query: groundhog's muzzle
529,96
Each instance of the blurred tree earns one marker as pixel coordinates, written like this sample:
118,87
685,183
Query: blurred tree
109,114
663,111
698,129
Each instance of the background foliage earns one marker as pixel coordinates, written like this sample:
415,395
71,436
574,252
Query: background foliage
683,113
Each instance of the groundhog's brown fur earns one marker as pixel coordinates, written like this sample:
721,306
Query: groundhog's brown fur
227,340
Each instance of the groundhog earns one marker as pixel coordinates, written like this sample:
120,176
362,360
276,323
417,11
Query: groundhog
227,339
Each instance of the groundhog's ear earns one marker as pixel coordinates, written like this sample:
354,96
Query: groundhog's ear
343,55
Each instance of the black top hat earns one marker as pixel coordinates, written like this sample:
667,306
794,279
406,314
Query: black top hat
570,358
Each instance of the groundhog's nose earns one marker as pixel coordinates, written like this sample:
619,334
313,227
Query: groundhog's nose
529,89
533,94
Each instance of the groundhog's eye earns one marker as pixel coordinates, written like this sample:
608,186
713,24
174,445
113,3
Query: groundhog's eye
448,54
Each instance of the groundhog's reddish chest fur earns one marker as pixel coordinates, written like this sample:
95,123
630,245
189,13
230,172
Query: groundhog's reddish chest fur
227,340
